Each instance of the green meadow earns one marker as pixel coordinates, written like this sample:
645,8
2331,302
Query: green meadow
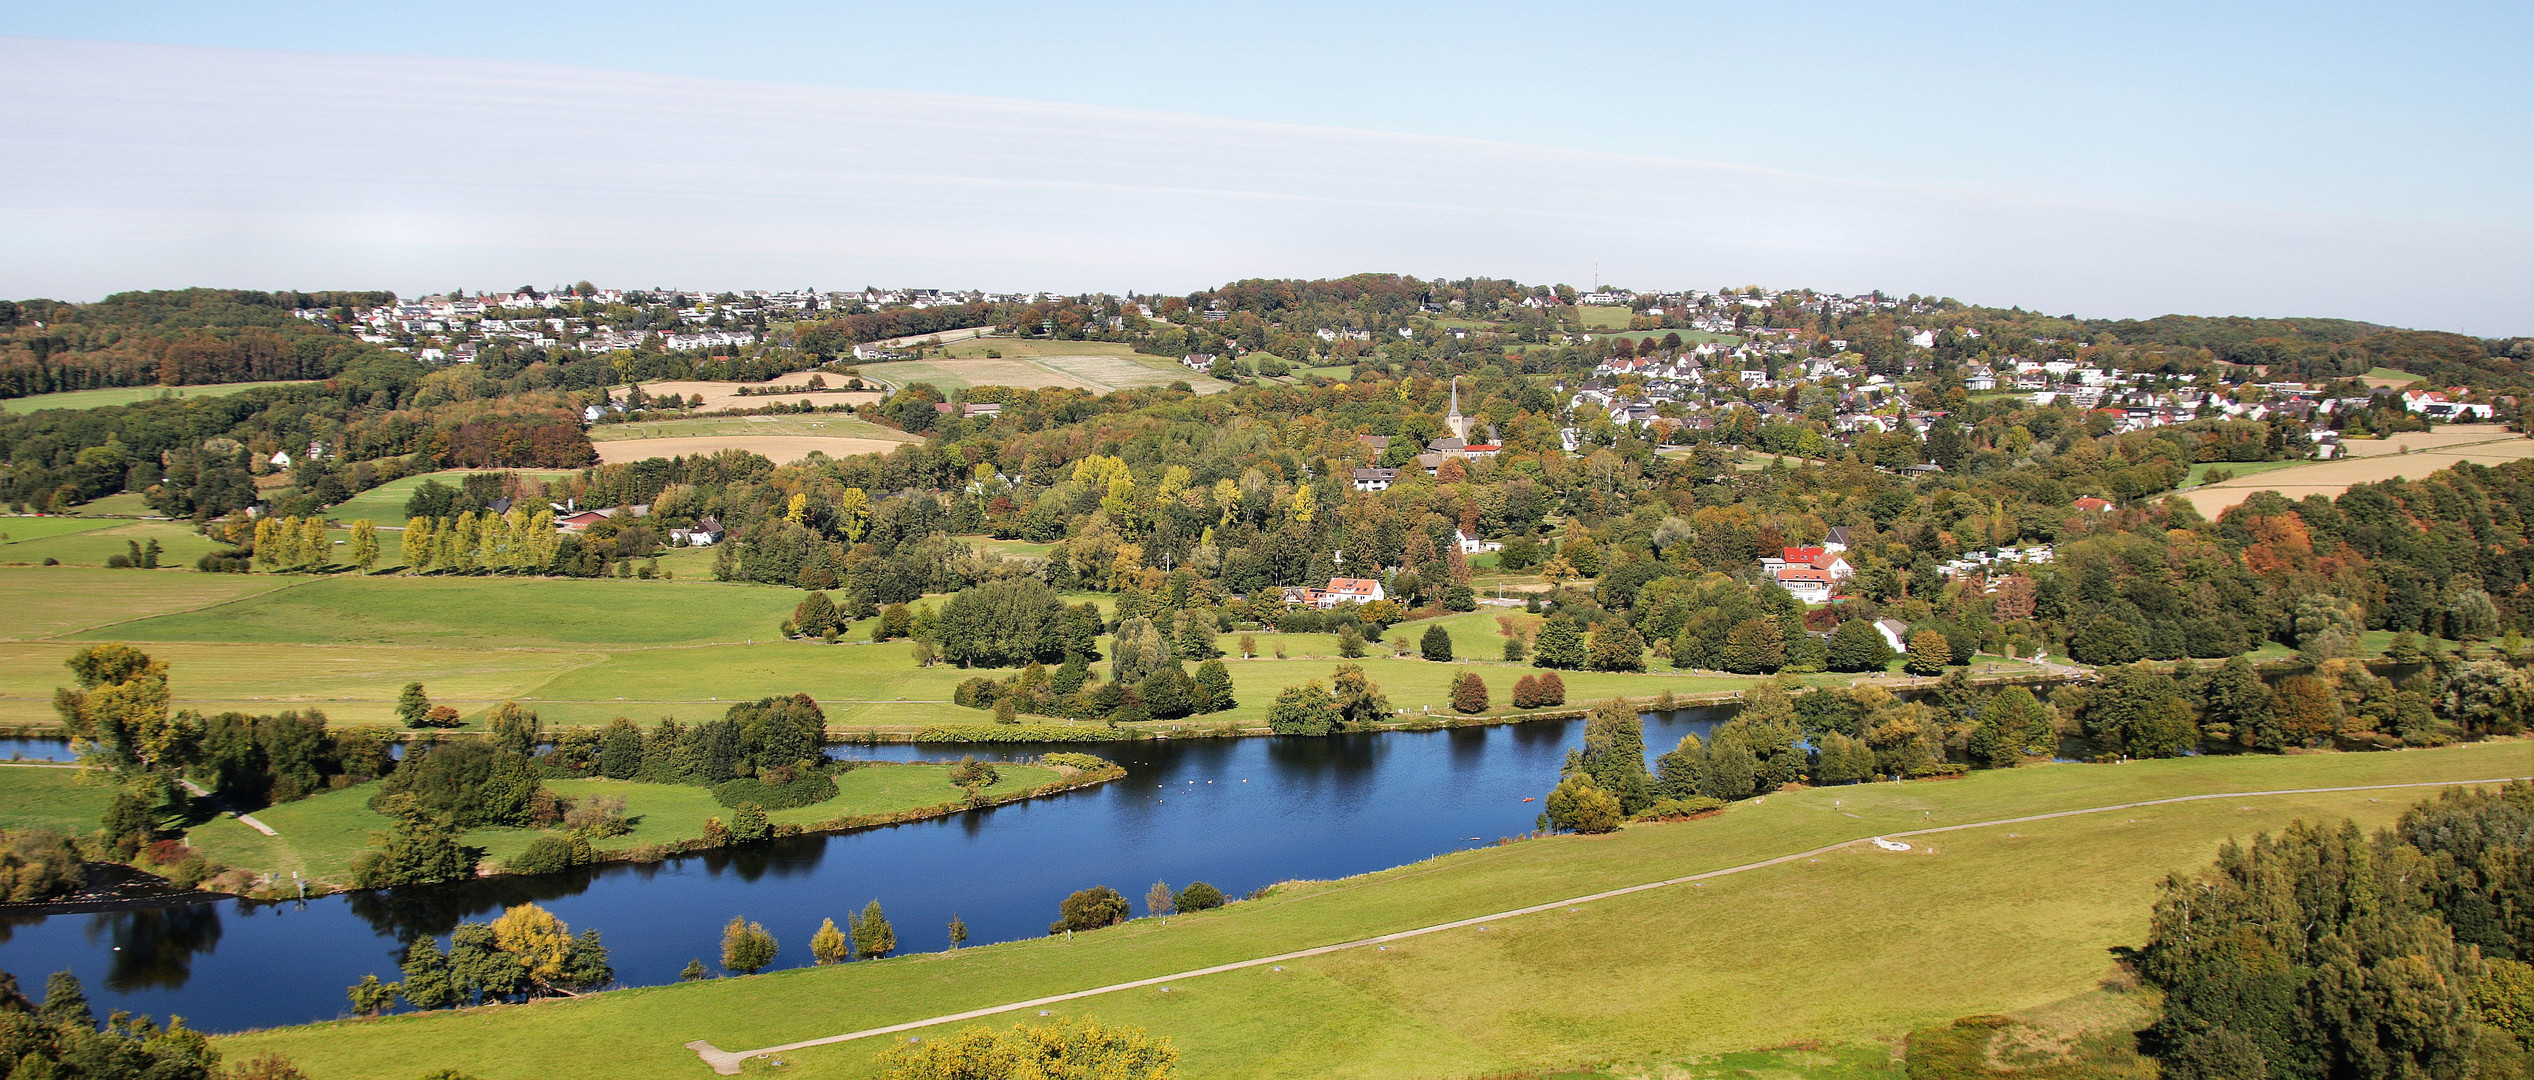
125,395
50,797
1843,948
92,541
583,651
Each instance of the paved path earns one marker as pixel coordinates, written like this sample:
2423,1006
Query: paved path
726,1062
247,819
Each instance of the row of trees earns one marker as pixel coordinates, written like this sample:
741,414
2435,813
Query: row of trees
2324,952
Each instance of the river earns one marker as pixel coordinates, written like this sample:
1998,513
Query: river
1237,813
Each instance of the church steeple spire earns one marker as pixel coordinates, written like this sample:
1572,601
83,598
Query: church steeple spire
1453,419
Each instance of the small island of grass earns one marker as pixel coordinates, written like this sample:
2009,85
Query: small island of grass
263,805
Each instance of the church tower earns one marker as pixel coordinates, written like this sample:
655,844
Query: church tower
1454,420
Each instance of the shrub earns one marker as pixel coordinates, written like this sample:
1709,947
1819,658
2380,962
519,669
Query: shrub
1678,809
552,853
1090,909
749,825
775,790
1198,896
38,863
1074,761
974,775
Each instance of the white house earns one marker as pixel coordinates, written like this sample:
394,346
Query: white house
1808,584
1375,479
1895,633
1471,545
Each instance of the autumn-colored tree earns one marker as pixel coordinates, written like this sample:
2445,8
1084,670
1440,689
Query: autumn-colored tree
1928,653
829,945
2309,712
1469,693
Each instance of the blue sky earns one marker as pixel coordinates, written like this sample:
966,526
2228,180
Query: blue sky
2359,160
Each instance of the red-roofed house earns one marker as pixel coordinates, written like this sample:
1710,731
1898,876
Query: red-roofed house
2094,505
1808,584
1351,590
1804,554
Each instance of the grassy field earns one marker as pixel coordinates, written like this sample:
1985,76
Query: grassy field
45,797
124,395
2198,473
1598,317
321,835
99,539
385,504
726,395
2385,376
1855,944
51,601
831,425
17,530
587,651
2412,455
780,438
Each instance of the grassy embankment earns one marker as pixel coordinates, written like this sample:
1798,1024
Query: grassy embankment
1857,944
125,395
586,651
50,797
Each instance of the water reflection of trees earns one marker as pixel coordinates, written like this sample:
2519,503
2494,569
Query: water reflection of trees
415,911
154,948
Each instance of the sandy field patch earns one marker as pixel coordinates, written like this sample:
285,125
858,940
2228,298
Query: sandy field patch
2452,445
2449,435
778,448
725,395
1096,372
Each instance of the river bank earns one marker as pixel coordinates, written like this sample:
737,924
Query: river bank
313,842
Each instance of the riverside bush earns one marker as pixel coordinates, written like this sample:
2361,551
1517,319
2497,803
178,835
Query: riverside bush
781,789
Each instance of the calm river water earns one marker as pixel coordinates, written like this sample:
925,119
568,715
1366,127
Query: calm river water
1239,813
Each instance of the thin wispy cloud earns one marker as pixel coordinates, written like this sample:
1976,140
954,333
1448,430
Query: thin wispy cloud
137,165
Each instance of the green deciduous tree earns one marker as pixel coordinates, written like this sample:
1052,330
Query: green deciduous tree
1357,698
1614,754
1560,645
873,937
1929,653
1303,710
1090,909
746,948
1579,805
2308,954
1436,645
1857,646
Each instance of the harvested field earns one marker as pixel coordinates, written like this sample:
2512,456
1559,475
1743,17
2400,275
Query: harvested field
725,395
781,438
2371,461
778,448
1097,366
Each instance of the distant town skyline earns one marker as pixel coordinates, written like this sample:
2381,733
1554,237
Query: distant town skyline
2338,161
